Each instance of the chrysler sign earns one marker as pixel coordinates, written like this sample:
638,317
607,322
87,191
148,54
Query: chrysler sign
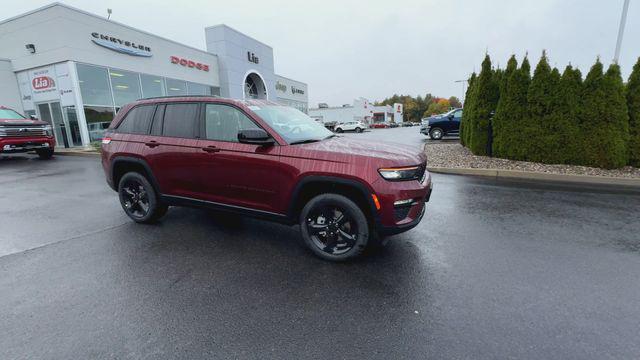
121,46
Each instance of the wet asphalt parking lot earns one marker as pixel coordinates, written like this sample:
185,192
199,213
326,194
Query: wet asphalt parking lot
497,269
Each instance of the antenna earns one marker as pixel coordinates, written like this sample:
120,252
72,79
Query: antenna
109,11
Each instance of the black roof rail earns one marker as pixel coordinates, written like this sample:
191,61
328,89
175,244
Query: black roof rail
177,96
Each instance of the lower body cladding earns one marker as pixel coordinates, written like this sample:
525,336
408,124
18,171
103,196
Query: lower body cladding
18,145
425,130
402,204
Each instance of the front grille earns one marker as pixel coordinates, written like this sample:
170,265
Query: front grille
22,131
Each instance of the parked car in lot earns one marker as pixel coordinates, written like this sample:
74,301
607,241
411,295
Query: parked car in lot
440,125
356,126
379,126
266,160
393,125
20,134
407,124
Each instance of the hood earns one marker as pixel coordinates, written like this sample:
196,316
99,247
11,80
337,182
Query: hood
21,122
338,148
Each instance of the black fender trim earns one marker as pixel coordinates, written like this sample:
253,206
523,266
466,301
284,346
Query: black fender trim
366,192
138,161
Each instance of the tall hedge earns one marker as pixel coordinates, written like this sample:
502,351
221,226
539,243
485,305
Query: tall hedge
510,143
486,99
565,138
633,104
604,118
540,100
502,122
468,109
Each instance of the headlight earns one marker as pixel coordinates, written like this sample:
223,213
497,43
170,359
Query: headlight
48,130
400,174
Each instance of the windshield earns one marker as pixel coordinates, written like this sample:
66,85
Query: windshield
293,125
10,114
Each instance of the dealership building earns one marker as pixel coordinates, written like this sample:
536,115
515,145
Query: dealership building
75,69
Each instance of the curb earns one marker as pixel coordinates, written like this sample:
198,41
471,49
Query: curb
537,176
78,153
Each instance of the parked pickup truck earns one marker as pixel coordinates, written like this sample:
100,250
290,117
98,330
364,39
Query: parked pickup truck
440,125
20,134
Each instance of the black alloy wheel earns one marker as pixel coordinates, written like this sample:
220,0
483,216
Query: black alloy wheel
135,199
138,198
334,227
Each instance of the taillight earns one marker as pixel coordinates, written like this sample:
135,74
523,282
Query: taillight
106,140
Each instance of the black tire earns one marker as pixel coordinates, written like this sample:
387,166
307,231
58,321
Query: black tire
334,227
358,130
339,130
45,154
139,199
436,134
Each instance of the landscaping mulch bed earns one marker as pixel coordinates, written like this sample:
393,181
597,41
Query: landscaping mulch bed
454,155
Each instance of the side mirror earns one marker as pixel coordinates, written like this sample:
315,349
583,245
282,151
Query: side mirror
33,117
255,137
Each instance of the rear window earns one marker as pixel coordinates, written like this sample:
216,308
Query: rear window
137,120
10,114
180,120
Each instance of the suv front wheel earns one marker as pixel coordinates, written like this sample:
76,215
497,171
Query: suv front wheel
334,227
139,199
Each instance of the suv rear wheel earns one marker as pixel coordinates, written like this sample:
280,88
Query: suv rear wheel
139,199
334,227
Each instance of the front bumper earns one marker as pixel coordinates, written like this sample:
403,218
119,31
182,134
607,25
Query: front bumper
26,144
425,130
394,219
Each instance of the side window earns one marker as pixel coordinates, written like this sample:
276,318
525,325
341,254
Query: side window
137,120
156,127
180,120
222,122
457,114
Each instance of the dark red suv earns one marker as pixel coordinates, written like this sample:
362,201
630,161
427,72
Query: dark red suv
262,159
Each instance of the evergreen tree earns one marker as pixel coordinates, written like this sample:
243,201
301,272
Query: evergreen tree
540,99
468,110
565,138
502,120
513,136
486,99
633,104
604,118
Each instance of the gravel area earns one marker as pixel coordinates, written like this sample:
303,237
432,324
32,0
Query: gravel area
454,155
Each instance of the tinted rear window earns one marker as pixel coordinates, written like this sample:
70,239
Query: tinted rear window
137,120
180,120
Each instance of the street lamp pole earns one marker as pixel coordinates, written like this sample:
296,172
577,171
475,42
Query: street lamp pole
623,21
464,84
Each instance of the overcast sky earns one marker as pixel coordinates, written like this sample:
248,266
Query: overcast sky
346,49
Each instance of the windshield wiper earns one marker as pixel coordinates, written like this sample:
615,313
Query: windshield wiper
307,141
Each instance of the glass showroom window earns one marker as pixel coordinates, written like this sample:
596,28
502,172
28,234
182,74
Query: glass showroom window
94,85
198,89
98,120
176,87
152,86
125,86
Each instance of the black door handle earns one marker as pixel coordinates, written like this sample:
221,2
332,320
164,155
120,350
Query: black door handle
152,143
211,149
